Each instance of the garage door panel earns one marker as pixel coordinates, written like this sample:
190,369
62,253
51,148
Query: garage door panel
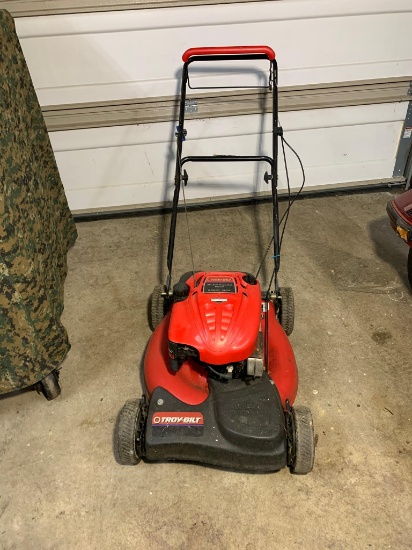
141,169
109,56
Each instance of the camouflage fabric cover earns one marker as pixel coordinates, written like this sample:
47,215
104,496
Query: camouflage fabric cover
36,228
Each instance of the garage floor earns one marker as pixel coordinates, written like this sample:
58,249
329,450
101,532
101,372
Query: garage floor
60,487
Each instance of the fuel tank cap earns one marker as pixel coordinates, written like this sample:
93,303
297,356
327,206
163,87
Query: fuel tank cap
180,291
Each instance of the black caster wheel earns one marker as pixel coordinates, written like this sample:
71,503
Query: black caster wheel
157,306
130,432
49,386
287,310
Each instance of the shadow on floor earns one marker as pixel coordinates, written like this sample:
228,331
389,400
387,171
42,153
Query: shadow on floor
389,248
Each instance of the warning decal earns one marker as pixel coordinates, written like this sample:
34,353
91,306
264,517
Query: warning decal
216,285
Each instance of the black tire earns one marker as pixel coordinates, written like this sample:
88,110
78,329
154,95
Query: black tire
127,432
410,267
304,441
157,306
287,310
50,386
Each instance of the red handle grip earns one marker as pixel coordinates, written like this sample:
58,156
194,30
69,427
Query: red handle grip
230,50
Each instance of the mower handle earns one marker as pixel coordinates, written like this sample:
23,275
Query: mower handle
229,50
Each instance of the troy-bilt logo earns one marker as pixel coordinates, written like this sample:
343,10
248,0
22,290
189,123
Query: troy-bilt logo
177,419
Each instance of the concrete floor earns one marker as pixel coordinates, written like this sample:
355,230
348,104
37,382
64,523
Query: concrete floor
60,486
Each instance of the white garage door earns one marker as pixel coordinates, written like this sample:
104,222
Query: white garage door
107,83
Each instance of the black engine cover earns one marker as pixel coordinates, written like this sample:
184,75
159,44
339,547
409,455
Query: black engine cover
241,425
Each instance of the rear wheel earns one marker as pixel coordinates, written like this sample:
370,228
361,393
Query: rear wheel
287,309
129,432
304,441
410,267
157,306
50,386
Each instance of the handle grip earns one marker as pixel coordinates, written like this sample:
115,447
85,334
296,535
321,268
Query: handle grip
229,50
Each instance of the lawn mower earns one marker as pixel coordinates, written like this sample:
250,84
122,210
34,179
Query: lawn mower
400,215
220,373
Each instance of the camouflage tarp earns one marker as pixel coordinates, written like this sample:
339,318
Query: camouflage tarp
36,228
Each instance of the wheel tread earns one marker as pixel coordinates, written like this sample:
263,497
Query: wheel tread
287,318
157,306
305,441
126,435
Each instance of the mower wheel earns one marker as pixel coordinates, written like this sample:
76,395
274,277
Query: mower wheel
49,386
128,428
304,455
287,310
410,267
157,306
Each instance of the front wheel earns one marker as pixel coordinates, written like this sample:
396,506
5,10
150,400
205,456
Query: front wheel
410,267
304,441
130,430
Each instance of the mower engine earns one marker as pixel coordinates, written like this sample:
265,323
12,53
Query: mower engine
216,320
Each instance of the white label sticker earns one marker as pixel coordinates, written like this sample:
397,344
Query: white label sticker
407,133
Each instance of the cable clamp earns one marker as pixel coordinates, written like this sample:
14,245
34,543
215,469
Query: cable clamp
180,131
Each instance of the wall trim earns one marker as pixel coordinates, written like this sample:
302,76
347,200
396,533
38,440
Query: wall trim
31,8
234,103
